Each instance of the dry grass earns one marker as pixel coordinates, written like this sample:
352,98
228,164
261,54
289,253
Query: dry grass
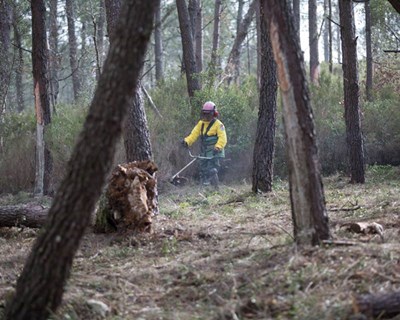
230,255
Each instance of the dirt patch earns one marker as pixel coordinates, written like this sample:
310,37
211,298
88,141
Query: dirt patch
229,255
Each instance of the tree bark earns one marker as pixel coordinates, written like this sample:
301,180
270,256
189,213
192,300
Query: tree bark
326,31
158,46
189,60
5,41
330,36
296,13
395,4
30,215
310,219
42,101
41,284
196,22
215,62
313,41
378,306
231,68
73,49
100,38
265,137
19,65
53,50
368,49
355,144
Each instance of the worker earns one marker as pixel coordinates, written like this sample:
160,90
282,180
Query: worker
213,141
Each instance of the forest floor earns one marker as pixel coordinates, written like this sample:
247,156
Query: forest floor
230,255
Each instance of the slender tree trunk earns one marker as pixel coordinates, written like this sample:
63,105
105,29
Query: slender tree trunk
368,43
306,190
330,36
53,53
73,48
42,100
158,46
265,138
214,63
19,65
231,68
326,31
5,41
100,38
313,41
198,39
352,115
189,59
40,287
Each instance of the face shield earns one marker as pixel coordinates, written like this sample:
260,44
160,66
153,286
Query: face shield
206,115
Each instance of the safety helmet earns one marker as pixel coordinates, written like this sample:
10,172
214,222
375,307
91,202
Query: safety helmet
208,106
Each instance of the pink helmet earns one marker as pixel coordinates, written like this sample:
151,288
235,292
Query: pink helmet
208,106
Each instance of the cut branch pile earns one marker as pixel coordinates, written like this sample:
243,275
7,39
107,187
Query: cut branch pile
131,198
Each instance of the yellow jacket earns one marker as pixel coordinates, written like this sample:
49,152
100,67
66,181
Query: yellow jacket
217,129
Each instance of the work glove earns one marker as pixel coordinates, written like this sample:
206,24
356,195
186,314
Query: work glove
184,144
216,151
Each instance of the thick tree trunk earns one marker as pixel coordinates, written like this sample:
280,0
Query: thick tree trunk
41,92
313,41
355,144
158,46
265,137
73,48
368,47
189,59
30,215
306,190
40,287
196,22
19,64
231,68
53,53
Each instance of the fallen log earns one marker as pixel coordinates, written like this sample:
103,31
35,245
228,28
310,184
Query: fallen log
382,306
28,215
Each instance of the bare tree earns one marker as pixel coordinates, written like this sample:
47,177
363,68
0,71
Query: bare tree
231,68
40,287
73,48
265,137
189,60
313,41
53,53
306,190
355,144
158,46
42,99
19,62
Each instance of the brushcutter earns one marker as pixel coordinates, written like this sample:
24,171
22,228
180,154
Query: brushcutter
175,178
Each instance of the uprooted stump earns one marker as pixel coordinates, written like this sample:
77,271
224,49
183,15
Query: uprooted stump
130,201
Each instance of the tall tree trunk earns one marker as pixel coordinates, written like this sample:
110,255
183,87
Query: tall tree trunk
53,53
40,287
158,46
100,38
19,65
196,23
135,130
330,36
215,62
265,138
326,31
42,100
73,48
189,59
231,68
306,190
352,115
296,14
368,45
313,41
